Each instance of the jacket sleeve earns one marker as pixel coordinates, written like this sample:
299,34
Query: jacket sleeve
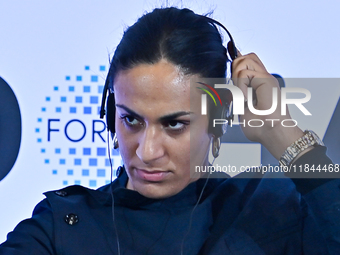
324,208
321,198
32,236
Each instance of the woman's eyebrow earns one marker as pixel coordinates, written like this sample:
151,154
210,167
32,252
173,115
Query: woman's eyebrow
164,118
173,116
131,112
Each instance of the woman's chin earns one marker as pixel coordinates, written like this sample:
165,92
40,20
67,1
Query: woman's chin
155,190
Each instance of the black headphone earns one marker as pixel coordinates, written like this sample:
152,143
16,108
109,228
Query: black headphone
110,112
223,111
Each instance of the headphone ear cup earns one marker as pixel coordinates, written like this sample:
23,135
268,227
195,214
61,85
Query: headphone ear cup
111,113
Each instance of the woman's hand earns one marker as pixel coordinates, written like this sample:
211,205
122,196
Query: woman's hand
249,72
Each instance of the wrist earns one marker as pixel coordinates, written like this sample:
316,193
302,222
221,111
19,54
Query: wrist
299,147
279,139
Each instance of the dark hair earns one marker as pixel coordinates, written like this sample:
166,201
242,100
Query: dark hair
180,36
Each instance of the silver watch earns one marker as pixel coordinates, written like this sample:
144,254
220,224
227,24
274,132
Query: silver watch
307,140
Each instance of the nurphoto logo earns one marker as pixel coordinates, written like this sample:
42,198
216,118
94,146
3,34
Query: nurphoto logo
238,103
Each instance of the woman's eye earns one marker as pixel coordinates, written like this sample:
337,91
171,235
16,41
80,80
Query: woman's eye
177,126
130,120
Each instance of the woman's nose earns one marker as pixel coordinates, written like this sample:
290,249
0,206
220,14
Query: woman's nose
151,145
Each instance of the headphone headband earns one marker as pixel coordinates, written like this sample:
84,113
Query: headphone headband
233,51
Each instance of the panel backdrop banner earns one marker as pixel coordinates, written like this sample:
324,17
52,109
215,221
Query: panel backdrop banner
54,60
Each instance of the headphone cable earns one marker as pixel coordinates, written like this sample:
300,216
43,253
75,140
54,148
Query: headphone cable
111,191
192,212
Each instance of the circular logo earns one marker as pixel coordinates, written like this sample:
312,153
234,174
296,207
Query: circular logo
71,138
10,128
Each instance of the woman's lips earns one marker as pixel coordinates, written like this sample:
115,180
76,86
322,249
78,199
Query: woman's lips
151,176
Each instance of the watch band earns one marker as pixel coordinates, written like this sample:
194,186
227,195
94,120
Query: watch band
307,140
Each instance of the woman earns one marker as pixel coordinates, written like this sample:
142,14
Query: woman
155,206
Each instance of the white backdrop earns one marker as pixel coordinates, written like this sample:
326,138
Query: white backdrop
54,55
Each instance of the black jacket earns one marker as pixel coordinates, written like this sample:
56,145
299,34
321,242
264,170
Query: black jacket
234,216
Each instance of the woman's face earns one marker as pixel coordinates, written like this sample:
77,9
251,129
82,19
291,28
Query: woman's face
154,123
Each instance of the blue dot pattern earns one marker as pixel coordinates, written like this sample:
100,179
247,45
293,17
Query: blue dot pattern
73,109
101,173
87,110
94,78
92,183
77,161
101,151
76,102
93,100
79,99
93,162
86,151
100,89
87,89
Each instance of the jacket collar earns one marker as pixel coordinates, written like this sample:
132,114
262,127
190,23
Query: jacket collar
130,198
